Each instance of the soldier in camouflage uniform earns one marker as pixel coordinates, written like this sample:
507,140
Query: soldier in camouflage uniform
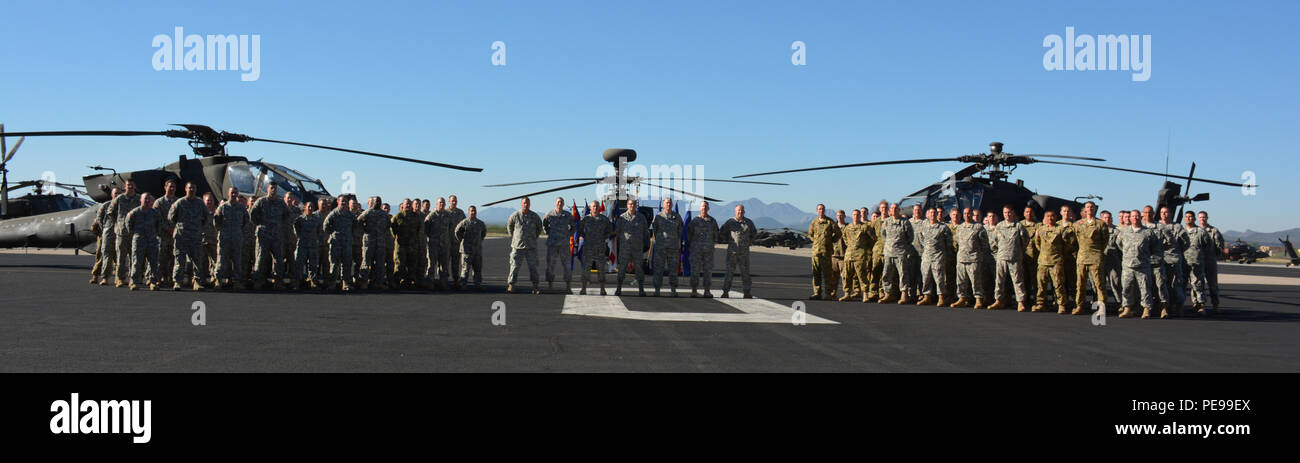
1137,244
866,275
323,209
358,240
119,207
143,224
338,226
595,230
210,234
421,267
188,215
230,219
632,232
1212,258
270,215
936,241
824,233
1148,221
739,232
1050,244
249,245
375,225
1091,238
1069,259
667,246
896,282
438,230
470,233
455,216
973,249
1176,242
913,261
857,238
307,228
955,218
838,278
1009,242
166,258
559,226
1031,225
106,253
524,226
876,290
702,235
1199,246
1112,259
291,239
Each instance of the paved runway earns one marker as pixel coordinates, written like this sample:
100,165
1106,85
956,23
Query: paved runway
52,320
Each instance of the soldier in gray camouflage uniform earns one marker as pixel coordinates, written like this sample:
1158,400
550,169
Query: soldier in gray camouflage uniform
455,216
166,257
524,226
702,234
1212,258
375,224
230,219
594,230
667,246
913,261
559,226
1009,241
1113,259
307,229
936,241
188,215
1199,247
106,253
739,232
119,207
632,232
1137,243
439,232
896,232
972,249
270,215
338,226
1148,221
143,224
1175,241
470,232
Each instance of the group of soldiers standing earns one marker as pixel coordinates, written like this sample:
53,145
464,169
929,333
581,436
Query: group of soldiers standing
630,234
191,241
993,261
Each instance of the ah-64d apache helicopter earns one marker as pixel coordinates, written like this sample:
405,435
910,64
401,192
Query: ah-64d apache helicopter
211,170
992,191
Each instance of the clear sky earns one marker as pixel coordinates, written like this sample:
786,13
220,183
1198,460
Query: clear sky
688,83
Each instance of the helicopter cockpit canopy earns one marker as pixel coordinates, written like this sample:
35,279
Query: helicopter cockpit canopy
251,178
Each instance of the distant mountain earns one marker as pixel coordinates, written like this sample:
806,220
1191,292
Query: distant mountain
495,215
1251,236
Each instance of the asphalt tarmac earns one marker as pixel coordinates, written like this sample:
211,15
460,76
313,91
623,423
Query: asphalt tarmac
51,320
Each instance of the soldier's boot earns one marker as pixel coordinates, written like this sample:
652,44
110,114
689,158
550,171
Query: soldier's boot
943,301
888,298
1062,309
1022,307
656,292
707,293
640,291
583,291
103,281
198,286
135,287
176,286
1164,313
617,291
347,288
905,299
1146,313
510,288
1127,312
747,295
1078,310
960,303
94,280
815,296
979,304
845,298
120,284
153,286
537,289
1040,306
999,304
602,288
927,299
724,294
866,297
672,292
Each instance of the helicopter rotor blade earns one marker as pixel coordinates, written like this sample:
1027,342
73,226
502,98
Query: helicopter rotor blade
73,133
546,181
1084,158
12,151
576,185
367,153
861,164
687,193
1158,174
715,180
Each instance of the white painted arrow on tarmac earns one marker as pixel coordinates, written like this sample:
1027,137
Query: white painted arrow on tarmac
753,311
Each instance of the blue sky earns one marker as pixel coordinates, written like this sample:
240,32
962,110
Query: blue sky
694,83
